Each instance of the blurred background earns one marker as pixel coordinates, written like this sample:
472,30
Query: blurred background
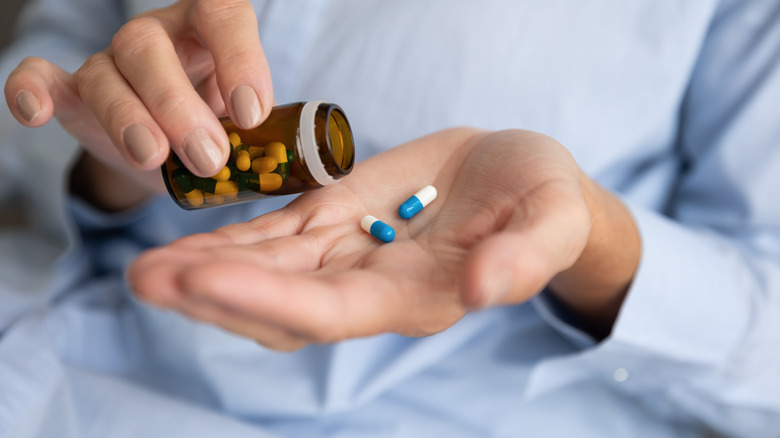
9,9
8,12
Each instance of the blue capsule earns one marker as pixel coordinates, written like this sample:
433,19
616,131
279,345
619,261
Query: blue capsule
377,228
416,203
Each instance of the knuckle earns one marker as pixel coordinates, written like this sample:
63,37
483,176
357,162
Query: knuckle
208,10
239,57
117,113
205,8
137,34
94,66
170,101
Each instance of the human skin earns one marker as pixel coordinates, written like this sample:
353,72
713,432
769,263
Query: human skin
515,213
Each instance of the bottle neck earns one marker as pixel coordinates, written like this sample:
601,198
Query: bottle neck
325,142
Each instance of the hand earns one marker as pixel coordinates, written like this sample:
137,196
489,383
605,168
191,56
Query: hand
163,81
513,213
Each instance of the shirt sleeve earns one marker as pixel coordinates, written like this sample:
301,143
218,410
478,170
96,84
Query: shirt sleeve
698,333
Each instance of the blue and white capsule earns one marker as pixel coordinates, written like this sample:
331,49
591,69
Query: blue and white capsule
416,203
377,228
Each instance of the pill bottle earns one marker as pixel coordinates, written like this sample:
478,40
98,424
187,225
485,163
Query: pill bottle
299,147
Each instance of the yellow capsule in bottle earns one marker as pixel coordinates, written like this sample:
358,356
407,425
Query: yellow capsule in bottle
223,174
276,150
228,189
235,139
256,152
243,161
270,182
194,197
264,164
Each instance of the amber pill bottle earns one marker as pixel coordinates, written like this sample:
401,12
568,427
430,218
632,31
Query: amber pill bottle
300,147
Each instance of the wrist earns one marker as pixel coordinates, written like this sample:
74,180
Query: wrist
595,286
104,187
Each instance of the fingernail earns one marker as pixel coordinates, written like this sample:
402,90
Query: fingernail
246,107
140,142
496,288
202,152
28,105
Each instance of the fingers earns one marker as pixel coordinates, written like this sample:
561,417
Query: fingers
271,225
163,81
319,308
31,90
121,112
280,310
156,278
146,87
242,71
148,61
282,305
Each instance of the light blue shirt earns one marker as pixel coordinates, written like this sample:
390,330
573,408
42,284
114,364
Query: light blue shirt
671,104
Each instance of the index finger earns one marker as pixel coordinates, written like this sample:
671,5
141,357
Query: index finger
228,28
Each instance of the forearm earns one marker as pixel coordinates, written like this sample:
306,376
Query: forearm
595,286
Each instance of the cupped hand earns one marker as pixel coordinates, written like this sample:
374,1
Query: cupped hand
166,77
510,215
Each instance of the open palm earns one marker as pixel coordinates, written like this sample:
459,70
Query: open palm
508,218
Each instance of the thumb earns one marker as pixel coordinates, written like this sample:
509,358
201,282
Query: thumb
537,242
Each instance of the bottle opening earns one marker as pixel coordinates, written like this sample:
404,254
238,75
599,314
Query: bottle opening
340,140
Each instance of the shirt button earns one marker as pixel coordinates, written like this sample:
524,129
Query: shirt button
620,375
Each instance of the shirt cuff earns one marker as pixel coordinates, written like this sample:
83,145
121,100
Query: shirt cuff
685,311
89,218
